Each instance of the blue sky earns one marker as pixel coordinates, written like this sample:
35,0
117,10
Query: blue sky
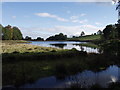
48,18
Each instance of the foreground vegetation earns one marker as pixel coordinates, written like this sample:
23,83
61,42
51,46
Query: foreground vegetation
23,68
26,67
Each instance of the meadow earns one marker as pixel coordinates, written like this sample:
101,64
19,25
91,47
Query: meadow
86,38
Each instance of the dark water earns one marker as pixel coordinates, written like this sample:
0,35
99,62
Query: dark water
85,79
65,45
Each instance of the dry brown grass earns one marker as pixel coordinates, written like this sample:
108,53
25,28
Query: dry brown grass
13,46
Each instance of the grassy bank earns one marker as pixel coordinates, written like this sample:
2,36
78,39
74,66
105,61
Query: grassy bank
20,46
86,38
14,41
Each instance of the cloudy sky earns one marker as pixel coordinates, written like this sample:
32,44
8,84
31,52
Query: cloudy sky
48,18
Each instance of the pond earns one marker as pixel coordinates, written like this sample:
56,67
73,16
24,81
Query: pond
65,45
85,79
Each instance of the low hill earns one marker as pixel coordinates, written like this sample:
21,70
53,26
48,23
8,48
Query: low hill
86,38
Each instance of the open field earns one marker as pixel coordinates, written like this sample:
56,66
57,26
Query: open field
86,38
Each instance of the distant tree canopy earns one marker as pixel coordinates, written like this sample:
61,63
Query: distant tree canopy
82,33
40,39
11,33
28,38
60,36
111,32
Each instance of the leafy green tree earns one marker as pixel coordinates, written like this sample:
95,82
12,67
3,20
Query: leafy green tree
40,39
11,33
111,32
17,35
118,30
28,38
6,33
1,27
59,36
82,34
107,31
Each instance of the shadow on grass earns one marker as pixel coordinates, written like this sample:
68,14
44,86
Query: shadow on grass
21,68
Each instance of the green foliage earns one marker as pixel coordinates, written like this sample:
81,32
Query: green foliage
111,47
82,33
17,35
40,39
111,32
60,36
6,34
114,86
28,38
11,33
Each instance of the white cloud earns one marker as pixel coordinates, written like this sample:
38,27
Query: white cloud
75,19
68,30
78,16
97,23
83,21
51,16
80,21
14,17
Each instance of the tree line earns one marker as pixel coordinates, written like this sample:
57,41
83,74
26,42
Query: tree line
14,33
11,33
56,37
111,32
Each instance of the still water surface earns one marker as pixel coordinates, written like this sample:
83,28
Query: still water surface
85,79
65,45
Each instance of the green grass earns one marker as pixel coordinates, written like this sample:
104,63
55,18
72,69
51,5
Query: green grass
87,38
14,41
18,69
30,67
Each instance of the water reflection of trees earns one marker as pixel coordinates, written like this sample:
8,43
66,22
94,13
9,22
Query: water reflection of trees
59,45
111,48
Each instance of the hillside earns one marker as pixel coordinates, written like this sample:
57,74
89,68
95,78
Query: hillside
86,38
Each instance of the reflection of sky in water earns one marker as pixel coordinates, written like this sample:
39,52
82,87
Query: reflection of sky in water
68,46
85,78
